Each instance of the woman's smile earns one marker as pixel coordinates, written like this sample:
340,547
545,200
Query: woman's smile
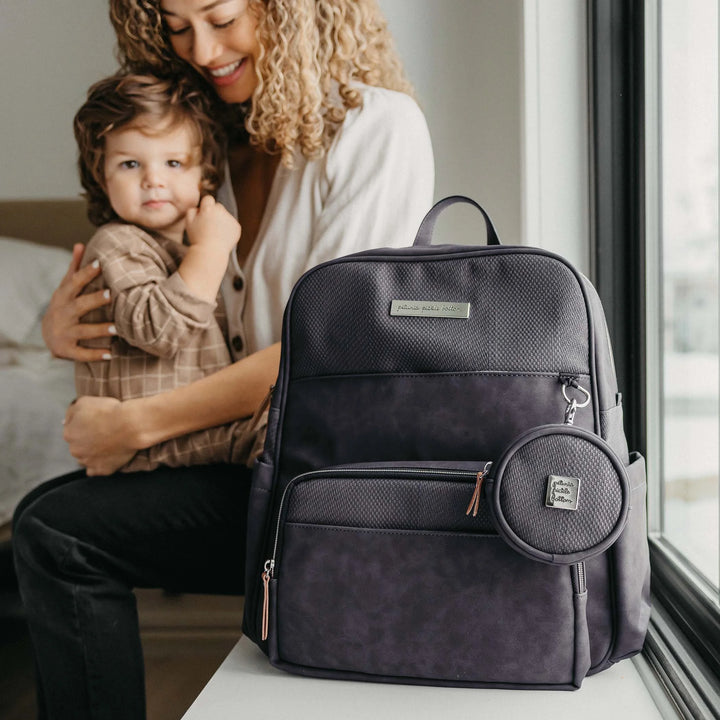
227,74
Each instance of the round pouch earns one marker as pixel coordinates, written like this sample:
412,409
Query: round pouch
559,494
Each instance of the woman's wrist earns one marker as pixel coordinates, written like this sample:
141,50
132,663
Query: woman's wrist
141,422
154,419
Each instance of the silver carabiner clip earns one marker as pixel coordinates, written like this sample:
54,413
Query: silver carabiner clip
572,403
569,401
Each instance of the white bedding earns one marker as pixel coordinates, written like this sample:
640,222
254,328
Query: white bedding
35,389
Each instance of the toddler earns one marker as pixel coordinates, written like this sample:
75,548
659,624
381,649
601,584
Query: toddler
150,157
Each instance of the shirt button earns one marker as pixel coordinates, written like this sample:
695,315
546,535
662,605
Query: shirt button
238,283
237,343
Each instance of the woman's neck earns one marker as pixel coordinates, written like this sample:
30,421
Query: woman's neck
252,173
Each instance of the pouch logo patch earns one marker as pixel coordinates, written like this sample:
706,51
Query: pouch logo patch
430,308
562,492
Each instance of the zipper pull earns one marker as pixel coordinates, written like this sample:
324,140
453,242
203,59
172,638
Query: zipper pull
266,575
570,412
474,505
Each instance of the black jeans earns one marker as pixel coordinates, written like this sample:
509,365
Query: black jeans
81,544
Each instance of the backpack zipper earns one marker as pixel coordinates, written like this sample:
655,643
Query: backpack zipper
578,578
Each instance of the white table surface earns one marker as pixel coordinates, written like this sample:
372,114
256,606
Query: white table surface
247,686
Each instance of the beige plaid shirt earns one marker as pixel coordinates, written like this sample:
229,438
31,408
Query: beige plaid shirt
166,337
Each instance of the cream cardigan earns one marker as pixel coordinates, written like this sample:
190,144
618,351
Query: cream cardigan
371,189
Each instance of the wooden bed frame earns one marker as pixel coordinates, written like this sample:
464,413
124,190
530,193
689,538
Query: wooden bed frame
59,223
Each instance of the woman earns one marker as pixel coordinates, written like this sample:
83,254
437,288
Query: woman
331,156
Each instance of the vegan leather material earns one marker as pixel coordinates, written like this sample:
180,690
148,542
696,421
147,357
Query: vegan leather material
422,418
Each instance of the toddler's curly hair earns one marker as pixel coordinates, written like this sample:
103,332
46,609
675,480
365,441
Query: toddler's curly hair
312,51
145,101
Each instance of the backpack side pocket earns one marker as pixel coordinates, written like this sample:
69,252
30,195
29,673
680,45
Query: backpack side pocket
631,564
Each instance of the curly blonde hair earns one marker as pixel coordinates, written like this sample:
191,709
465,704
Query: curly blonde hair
312,54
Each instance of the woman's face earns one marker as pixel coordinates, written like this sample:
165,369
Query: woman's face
218,38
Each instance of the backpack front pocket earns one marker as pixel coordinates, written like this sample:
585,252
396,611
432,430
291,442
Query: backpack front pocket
381,574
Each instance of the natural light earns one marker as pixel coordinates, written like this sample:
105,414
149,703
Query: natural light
688,219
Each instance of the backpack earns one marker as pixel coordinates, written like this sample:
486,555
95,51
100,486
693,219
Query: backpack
446,495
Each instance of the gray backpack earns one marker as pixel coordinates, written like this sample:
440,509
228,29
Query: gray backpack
446,495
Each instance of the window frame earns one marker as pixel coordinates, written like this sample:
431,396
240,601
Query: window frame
620,227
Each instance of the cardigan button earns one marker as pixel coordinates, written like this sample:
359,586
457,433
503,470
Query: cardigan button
237,343
238,283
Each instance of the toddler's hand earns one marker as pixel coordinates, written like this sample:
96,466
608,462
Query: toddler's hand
211,224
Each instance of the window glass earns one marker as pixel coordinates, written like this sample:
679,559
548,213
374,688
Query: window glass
686,321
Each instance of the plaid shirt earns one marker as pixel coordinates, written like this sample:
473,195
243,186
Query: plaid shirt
166,337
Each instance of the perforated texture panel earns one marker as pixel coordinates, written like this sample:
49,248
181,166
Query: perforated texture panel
388,503
527,314
559,531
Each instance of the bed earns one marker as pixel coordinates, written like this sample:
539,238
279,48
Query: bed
35,388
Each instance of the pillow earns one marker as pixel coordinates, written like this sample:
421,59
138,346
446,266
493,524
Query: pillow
29,273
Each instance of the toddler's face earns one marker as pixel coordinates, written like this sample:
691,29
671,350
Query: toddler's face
152,176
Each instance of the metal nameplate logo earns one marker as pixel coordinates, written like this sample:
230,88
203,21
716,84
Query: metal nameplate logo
430,308
562,492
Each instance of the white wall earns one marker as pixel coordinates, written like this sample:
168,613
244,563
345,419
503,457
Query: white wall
555,129
50,52
464,58
501,83
504,87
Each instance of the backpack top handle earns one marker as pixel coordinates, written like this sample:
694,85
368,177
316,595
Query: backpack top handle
425,231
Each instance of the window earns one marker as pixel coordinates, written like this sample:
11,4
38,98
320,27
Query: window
682,251
654,90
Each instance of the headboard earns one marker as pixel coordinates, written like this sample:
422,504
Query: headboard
48,222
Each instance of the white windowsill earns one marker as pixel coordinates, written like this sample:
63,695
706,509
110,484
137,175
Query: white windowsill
246,685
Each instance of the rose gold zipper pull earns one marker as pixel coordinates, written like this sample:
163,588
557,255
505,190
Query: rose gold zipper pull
474,505
267,574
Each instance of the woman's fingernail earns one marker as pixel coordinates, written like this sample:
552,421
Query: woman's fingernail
107,356
96,264
106,294
112,330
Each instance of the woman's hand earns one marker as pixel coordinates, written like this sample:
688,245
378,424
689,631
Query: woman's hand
97,431
61,327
